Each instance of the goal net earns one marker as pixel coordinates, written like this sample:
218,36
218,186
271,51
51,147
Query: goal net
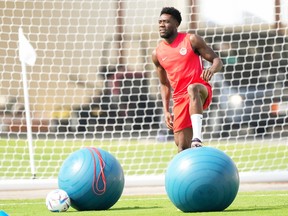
93,84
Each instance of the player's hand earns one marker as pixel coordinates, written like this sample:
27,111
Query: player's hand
168,120
207,74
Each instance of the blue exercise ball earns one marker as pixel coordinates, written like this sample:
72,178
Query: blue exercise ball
92,178
201,180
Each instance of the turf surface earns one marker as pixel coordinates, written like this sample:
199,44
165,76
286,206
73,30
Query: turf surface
268,203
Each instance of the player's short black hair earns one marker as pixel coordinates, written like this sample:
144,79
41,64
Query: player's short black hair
173,12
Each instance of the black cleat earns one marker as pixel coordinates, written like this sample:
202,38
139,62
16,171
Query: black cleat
195,143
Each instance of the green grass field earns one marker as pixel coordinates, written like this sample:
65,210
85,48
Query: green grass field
49,156
137,157
246,203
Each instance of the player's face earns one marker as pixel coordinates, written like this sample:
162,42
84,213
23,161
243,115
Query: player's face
167,26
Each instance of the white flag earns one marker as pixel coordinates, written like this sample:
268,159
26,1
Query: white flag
27,53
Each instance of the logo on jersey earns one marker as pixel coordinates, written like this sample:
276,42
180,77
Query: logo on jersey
163,59
183,51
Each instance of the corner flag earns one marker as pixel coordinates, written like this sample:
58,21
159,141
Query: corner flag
27,53
27,56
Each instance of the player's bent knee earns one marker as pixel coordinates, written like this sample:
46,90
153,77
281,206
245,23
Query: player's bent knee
193,89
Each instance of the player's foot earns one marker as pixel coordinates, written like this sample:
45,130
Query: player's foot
195,143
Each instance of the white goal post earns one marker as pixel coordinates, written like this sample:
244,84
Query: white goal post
94,84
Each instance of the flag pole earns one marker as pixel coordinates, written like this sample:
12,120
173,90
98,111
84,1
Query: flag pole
28,119
27,55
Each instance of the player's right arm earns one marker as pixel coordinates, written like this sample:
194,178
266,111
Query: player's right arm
207,53
165,89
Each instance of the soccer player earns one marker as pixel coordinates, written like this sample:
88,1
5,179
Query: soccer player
179,67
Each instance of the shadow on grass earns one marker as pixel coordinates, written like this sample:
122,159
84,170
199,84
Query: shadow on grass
135,208
251,209
119,209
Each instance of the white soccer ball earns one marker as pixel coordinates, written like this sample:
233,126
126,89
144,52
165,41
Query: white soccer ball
57,201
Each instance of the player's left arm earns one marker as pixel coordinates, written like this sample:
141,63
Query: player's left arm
199,45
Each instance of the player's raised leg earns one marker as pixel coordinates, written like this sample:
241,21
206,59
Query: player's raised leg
197,94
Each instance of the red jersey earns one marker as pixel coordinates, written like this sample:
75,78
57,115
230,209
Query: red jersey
182,65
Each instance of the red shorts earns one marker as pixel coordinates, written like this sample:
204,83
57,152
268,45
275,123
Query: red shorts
182,118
